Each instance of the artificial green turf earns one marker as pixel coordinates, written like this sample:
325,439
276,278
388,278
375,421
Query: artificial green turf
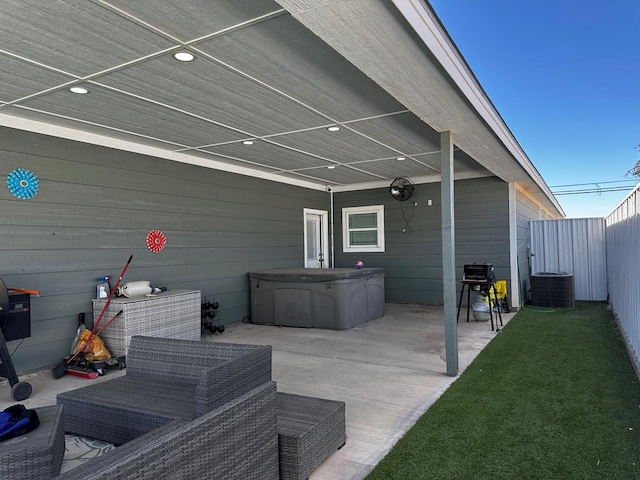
554,396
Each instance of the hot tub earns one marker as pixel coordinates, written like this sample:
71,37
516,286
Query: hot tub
335,298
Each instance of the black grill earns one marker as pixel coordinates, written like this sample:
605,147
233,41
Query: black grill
17,323
478,273
482,278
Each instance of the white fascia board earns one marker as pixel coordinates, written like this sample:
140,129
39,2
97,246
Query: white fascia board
416,180
425,23
37,126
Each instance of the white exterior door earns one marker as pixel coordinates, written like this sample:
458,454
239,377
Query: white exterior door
315,238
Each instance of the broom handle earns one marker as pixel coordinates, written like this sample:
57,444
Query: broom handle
92,336
108,323
113,291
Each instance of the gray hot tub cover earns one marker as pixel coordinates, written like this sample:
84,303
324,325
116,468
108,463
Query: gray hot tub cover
312,275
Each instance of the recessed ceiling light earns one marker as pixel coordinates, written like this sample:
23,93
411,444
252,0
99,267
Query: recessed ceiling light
331,167
333,129
248,142
79,90
183,56
401,158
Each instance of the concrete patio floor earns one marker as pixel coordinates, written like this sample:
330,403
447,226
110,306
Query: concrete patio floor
388,371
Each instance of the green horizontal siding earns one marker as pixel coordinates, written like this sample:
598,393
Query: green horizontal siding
95,207
413,262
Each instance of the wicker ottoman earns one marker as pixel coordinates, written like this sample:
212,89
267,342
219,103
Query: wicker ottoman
309,430
38,454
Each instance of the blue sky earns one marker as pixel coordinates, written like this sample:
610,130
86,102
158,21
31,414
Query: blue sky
565,76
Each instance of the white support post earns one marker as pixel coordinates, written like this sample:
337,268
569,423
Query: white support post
514,293
448,254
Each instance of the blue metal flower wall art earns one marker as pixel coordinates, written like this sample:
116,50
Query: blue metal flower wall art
23,183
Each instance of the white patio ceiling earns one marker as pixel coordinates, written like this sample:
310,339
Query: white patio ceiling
264,72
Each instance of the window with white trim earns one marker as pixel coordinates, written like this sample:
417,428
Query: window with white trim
363,229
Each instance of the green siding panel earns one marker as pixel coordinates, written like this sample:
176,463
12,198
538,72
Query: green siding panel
95,207
413,260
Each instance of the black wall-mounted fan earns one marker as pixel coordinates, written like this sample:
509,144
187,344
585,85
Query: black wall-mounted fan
401,189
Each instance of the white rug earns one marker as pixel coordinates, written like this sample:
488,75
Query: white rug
78,450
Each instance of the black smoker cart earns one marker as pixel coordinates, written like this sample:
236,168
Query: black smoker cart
15,323
480,277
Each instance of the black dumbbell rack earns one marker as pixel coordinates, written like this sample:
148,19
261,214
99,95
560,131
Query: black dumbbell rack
210,317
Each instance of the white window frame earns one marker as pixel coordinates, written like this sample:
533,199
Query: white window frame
379,211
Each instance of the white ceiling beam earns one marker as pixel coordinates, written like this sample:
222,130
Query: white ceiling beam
45,128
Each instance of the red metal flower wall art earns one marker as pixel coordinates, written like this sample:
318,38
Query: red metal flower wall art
156,241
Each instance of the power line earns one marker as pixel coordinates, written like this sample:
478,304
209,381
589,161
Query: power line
590,183
595,190
594,187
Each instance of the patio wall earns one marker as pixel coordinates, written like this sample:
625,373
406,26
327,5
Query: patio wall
623,269
413,262
95,207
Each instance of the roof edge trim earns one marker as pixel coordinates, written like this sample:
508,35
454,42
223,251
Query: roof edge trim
431,31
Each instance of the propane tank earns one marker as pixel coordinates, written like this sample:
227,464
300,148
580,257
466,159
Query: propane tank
138,289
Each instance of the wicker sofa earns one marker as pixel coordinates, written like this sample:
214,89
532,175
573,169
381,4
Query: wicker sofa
188,409
166,379
236,441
